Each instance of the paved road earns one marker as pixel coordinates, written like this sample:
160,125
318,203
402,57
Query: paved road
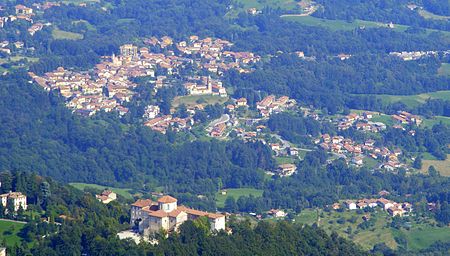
15,221
223,119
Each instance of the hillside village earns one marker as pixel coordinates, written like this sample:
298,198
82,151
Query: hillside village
110,88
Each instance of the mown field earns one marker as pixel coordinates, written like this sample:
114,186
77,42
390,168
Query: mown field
124,192
259,4
429,15
414,100
346,223
443,167
61,35
444,70
236,193
9,231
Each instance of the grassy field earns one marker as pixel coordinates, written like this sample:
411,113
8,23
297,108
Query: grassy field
444,70
419,236
429,15
340,24
9,230
436,120
284,160
61,34
192,100
413,100
17,58
345,25
259,4
236,193
125,192
442,166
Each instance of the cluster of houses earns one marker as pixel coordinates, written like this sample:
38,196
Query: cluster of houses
393,208
403,117
106,196
271,104
16,198
346,147
23,12
208,53
360,122
149,217
407,56
110,86
162,123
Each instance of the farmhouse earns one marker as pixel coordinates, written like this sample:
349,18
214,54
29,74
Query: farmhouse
17,198
106,196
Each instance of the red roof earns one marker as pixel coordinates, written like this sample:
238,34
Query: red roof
167,200
143,203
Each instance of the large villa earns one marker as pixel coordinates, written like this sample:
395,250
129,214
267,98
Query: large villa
165,214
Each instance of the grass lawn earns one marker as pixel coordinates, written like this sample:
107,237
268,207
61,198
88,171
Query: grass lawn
9,230
124,192
307,216
89,26
419,236
422,237
192,100
436,120
444,70
383,118
259,4
442,166
61,34
370,162
340,24
345,25
414,100
429,15
236,193
18,58
284,160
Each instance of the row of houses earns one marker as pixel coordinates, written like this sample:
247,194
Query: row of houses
360,122
403,117
163,123
271,104
348,148
392,207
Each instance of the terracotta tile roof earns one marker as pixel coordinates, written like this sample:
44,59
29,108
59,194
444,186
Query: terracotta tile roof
167,200
143,203
159,213
199,213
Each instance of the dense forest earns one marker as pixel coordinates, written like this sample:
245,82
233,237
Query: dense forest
90,227
333,84
43,136
386,11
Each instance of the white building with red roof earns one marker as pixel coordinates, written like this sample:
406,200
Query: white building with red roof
165,214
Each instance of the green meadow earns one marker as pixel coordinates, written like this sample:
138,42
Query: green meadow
61,35
418,236
9,231
124,192
236,193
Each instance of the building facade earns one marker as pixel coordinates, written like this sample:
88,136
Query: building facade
151,217
17,198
